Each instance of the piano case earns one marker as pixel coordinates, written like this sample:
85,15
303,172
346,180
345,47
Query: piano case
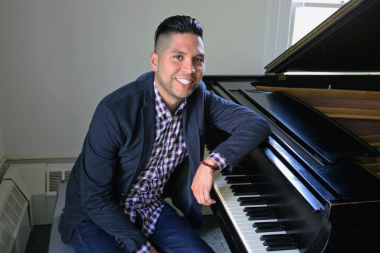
314,185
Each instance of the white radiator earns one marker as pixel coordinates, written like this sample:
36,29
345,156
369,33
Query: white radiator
15,225
27,198
40,180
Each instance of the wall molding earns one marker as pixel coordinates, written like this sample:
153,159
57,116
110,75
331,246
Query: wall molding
18,158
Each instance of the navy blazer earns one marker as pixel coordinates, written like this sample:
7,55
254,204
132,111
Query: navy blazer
119,143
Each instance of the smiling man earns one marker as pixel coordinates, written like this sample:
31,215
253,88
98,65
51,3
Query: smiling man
146,142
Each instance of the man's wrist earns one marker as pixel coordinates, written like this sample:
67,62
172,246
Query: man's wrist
211,161
219,159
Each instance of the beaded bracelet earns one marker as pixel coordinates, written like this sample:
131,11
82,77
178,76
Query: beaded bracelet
208,165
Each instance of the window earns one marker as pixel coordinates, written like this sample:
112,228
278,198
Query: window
306,15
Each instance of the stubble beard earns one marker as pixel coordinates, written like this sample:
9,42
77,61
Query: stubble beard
168,85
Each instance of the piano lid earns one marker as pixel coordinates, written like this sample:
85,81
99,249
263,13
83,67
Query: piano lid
348,41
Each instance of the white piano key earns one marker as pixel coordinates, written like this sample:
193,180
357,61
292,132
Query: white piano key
243,226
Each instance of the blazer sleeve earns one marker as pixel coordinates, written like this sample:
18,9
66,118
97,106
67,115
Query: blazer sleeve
99,159
247,128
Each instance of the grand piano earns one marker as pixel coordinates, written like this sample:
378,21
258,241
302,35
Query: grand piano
314,184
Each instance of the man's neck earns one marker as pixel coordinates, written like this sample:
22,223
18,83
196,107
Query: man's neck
172,107
171,102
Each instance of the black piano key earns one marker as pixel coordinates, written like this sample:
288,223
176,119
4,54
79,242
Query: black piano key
245,201
274,237
267,227
258,212
251,203
279,242
281,247
264,217
250,189
256,209
253,213
241,188
252,192
261,214
237,180
234,173
266,224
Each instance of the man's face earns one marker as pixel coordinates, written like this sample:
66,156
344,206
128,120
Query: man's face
179,67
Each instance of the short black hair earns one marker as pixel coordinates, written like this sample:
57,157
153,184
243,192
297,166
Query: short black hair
178,24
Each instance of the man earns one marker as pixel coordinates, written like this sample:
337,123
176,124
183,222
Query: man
145,133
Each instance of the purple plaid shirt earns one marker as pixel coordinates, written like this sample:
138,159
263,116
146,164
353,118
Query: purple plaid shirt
169,150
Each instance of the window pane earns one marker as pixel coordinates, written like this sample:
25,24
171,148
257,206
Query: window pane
307,18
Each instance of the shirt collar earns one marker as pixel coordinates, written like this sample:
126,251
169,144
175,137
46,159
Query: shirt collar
161,108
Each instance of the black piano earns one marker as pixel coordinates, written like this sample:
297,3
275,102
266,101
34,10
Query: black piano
314,184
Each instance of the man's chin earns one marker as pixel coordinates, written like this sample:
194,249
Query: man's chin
185,95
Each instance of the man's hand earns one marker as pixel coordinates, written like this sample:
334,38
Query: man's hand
153,251
202,183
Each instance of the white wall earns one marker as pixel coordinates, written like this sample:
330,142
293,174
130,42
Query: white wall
59,58
1,145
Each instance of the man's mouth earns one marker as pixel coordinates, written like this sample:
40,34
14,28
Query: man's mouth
184,81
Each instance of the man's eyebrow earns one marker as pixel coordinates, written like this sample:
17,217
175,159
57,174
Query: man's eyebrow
178,52
181,52
201,55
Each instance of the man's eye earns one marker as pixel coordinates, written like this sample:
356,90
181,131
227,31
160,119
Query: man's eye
199,59
178,57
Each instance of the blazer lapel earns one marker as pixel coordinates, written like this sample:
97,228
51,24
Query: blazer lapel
148,117
191,133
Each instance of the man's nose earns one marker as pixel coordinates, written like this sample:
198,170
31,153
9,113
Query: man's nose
188,67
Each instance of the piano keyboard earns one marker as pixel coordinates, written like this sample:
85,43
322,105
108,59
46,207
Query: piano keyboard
256,227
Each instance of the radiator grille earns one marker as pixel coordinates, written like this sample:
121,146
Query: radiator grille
5,240
10,213
67,174
54,178
55,174
14,205
2,248
18,196
7,224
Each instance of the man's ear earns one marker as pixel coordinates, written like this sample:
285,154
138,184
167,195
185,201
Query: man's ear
153,61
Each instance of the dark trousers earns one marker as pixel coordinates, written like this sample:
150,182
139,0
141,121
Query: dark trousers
172,234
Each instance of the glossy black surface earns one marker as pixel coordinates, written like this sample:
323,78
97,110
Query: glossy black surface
318,134
326,181
335,82
349,44
319,205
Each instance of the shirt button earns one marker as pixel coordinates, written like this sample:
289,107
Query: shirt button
159,166
139,193
149,179
165,144
135,206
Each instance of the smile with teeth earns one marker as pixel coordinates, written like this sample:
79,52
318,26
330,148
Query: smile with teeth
184,81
